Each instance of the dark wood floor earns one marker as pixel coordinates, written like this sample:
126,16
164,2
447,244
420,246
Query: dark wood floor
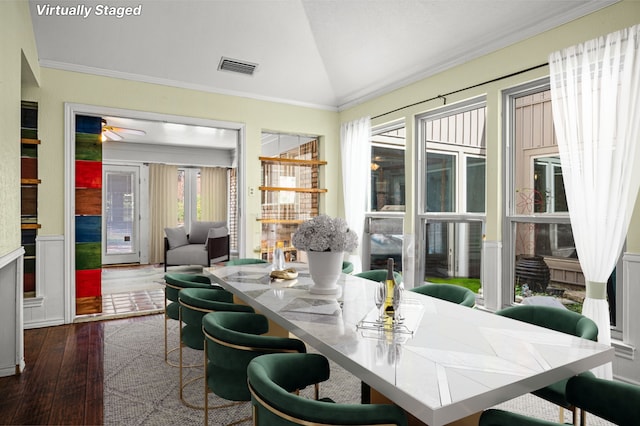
62,383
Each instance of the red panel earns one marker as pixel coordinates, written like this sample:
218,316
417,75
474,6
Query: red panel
88,283
29,168
29,281
88,174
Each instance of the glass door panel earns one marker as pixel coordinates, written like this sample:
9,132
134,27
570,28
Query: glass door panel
120,216
441,182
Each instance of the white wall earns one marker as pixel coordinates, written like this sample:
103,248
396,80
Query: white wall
167,154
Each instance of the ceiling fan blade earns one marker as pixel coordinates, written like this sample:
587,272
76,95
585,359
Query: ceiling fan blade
126,130
112,135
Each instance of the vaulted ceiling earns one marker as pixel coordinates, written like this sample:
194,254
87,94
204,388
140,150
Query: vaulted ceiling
324,53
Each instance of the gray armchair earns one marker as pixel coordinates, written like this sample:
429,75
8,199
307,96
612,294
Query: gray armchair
206,243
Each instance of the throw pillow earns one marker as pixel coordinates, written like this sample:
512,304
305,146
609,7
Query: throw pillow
220,231
200,230
176,236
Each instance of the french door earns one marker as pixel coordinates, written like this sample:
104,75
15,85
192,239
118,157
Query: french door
120,214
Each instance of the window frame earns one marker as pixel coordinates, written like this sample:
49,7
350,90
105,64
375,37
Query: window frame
422,216
510,217
190,194
378,130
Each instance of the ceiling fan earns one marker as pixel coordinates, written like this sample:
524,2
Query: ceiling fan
112,133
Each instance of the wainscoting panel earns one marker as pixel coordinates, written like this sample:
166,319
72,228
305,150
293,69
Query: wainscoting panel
492,274
11,331
47,308
626,365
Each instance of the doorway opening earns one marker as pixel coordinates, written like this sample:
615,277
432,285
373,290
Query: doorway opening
124,234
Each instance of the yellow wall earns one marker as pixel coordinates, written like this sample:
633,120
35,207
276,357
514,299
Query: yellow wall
16,42
520,56
58,87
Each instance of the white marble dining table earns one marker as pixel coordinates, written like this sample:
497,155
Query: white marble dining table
445,362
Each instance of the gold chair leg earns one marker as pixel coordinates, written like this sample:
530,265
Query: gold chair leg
583,417
574,414
206,396
182,366
561,417
167,351
206,386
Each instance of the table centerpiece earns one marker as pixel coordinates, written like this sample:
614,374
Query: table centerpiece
325,239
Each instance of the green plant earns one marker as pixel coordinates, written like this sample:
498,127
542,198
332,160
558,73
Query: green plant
575,307
472,284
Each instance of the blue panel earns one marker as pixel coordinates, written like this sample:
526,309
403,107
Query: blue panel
29,236
88,229
86,124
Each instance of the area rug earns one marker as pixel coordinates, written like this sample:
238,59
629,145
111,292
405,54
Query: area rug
135,278
141,389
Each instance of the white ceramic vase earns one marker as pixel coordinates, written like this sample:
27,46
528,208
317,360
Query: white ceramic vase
325,268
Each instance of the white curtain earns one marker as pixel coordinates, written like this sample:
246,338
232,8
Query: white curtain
355,147
213,192
163,207
595,92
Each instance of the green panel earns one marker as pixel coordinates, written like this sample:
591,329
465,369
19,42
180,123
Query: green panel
29,250
88,147
88,256
29,133
28,150
29,266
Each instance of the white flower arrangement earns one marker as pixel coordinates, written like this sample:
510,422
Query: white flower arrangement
324,233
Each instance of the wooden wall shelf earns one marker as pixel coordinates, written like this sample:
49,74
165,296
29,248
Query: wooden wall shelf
30,141
296,172
283,221
30,226
30,181
279,188
293,161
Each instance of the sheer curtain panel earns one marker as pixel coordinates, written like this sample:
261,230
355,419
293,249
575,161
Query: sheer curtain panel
595,92
163,207
213,193
355,147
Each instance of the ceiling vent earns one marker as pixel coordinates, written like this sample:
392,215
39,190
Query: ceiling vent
234,65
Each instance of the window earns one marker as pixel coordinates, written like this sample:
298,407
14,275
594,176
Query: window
452,193
290,189
383,233
440,182
476,183
387,169
538,225
188,196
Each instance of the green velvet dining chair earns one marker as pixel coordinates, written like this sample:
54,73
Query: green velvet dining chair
232,340
274,382
194,304
174,282
378,275
565,321
614,401
497,417
347,267
449,292
245,261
